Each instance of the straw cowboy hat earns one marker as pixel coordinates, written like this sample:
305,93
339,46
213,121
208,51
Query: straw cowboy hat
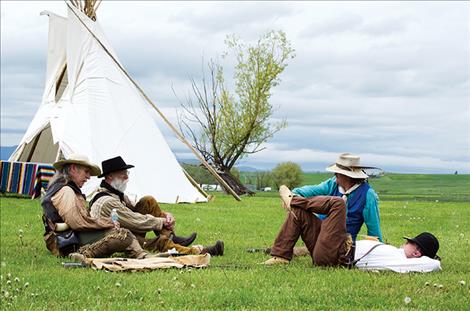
349,165
80,160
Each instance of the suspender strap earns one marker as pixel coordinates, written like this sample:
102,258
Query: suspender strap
367,253
97,196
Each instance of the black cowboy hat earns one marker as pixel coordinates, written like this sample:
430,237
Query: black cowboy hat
427,242
114,165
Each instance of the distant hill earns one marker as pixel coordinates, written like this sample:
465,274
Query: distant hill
247,169
240,168
189,161
6,151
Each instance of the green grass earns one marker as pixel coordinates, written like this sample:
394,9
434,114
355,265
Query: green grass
236,281
402,187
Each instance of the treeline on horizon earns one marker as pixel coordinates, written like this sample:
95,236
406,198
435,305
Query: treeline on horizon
406,184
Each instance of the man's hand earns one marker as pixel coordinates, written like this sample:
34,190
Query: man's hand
115,224
169,221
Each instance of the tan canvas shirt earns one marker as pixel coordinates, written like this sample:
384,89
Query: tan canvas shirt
128,219
72,208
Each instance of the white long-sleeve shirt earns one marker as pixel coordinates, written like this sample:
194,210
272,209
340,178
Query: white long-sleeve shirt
388,257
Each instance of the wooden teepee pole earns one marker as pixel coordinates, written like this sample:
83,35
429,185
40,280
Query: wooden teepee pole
177,133
97,4
88,7
195,184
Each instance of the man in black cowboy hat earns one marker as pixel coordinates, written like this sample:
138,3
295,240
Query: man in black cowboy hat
142,217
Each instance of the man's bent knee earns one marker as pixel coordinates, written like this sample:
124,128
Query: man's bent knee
338,202
148,205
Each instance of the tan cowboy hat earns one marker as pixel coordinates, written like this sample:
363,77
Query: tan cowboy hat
349,165
80,160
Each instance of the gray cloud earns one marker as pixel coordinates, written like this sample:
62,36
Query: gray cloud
226,17
387,80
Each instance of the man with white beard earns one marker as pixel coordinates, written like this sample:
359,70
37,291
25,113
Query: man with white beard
142,217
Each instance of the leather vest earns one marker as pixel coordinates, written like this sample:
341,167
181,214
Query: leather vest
49,210
355,208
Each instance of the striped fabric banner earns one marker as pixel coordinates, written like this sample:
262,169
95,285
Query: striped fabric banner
43,176
24,178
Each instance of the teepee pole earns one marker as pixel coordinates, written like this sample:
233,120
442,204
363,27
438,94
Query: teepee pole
97,4
195,184
177,133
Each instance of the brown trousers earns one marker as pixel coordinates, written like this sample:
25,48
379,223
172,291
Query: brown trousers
324,239
105,243
162,241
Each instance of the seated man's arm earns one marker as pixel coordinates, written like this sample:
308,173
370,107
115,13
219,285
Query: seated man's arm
75,215
371,215
128,219
325,188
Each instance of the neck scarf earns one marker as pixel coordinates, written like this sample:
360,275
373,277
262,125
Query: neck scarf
345,194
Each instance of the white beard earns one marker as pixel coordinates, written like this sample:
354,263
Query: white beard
119,184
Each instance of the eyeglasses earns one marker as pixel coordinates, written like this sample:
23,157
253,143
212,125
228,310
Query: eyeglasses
123,173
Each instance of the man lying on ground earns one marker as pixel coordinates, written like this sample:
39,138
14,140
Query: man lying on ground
418,254
143,217
329,244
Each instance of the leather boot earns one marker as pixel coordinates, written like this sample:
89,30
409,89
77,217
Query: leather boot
184,241
215,250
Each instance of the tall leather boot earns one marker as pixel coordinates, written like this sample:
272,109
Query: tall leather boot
216,250
182,240
163,244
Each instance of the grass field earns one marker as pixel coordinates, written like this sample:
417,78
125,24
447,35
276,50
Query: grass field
409,204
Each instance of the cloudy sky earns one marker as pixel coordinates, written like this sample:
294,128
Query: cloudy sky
387,80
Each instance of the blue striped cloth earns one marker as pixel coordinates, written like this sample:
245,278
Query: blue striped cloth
43,176
24,178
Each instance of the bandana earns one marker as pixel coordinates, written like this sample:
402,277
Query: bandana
345,194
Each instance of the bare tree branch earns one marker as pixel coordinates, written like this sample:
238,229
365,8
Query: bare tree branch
226,127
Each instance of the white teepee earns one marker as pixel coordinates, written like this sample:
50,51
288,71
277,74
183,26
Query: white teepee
90,107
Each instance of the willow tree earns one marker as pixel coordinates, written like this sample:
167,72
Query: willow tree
226,126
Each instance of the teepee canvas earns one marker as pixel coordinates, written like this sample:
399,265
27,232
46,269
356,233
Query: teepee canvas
91,107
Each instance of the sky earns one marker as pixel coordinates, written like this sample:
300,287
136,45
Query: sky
389,81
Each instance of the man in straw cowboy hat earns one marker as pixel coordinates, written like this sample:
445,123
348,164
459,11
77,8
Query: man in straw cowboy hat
69,227
327,245
142,217
349,190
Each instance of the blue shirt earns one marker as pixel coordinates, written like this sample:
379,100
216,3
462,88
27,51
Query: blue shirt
371,208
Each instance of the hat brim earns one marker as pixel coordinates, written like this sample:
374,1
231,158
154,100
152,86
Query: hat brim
125,167
355,173
94,169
